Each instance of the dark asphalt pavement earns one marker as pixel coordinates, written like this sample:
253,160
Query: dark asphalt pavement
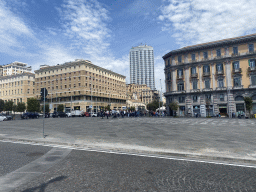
13,156
94,171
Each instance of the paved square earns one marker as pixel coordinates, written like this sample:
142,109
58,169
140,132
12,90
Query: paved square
222,137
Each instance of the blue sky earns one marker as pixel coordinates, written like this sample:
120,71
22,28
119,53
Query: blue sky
56,31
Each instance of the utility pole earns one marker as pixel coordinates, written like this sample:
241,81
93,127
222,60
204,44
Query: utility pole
161,90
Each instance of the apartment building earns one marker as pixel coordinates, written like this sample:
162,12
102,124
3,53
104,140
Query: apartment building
15,68
79,85
17,88
147,96
212,78
1,70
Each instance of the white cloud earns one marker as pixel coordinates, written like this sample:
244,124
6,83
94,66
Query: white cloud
159,73
198,21
85,24
12,28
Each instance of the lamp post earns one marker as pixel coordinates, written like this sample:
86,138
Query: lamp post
91,94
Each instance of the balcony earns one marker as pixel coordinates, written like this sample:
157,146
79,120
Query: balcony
238,87
206,74
179,77
194,90
207,89
235,54
251,69
221,88
238,70
220,72
194,75
251,86
182,91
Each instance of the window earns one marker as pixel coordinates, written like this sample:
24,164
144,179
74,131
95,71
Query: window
236,65
193,57
208,97
193,70
218,53
221,97
220,83
252,63
206,69
253,80
194,84
180,72
235,50
206,55
207,84
179,59
251,48
194,98
237,81
219,67
181,87
182,99
168,62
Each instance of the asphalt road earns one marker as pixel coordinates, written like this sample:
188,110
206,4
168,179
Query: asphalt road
95,171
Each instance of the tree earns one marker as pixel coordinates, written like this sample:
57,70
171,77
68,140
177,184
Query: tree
14,108
47,109
33,105
21,107
8,106
1,105
60,108
154,105
174,106
248,104
107,108
132,108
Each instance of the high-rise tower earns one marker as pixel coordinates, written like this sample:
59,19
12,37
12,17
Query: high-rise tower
142,66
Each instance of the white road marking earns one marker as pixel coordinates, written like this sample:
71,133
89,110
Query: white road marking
145,155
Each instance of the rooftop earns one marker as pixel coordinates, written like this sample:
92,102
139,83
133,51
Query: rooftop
212,44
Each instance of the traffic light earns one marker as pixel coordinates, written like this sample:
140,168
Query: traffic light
44,93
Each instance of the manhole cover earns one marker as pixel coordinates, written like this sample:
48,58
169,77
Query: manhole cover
34,154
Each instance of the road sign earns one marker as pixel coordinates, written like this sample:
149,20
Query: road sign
90,106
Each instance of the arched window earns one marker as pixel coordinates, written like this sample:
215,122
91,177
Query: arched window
239,98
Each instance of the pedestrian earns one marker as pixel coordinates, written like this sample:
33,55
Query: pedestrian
102,114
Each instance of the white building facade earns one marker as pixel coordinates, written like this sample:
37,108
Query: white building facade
16,68
142,66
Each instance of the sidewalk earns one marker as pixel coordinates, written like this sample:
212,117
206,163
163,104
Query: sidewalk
231,140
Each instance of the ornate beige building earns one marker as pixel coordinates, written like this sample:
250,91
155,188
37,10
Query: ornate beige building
212,78
81,84
17,88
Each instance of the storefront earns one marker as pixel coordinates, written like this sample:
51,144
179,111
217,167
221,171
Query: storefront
196,110
223,109
182,111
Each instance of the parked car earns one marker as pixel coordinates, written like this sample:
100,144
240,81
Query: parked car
68,114
30,115
94,115
77,113
3,118
8,117
59,114
87,114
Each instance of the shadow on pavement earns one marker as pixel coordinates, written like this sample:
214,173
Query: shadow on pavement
43,186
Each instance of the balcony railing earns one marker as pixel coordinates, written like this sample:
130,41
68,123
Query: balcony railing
206,74
220,72
238,87
221,88
207,89
238,70
183,91
235,54
179,77
252,86
194,75
194,90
